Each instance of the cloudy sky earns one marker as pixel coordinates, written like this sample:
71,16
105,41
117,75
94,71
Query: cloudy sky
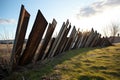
84,14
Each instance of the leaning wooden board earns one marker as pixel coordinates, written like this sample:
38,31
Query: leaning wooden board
34,39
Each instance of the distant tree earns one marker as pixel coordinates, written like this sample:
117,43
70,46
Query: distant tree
111,30
114,29
106,31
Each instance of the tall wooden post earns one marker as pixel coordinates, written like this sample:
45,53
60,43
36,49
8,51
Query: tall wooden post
49,47
63,40
46,40
58,39
90,38
78,39
70,39
20,36
34,39
74,37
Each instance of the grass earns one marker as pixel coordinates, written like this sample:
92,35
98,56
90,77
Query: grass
80,64
5,50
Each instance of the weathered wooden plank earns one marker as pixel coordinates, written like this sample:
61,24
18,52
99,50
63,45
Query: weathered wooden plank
105,42
58,39
63,40
94,39
97,41
34,39
46,40
70,39
49,47
79,39
74,40
84,39
20,36
90,38
64,44
100,41
66,40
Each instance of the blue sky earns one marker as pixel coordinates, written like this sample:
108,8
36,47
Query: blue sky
84,14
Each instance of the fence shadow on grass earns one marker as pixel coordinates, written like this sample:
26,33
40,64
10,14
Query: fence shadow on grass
47,66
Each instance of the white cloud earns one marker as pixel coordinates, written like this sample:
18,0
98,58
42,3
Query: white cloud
112,2
98,7
7,21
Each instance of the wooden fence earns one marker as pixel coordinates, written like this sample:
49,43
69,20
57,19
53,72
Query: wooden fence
49,46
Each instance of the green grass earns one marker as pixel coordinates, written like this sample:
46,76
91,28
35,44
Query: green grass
80,64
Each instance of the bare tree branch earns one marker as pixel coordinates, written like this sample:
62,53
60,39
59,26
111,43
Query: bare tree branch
114,29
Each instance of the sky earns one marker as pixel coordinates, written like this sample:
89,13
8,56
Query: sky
84,14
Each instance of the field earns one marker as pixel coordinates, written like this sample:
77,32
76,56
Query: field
81,64
5,51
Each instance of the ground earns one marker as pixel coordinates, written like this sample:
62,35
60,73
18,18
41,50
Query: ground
80,64
5,51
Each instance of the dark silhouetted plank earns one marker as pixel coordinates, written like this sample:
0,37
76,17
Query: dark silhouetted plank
70,39
20,36
63,40
50,44
58,39
46,40
34,39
